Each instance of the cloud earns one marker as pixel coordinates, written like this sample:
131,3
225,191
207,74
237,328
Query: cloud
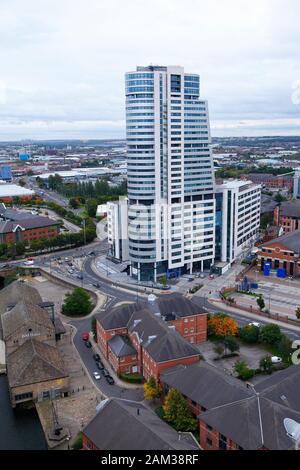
64,61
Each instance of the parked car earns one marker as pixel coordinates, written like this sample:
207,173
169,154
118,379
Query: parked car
79,276
96,357
96,375
85,335
276,359
100,365
88,344
110,380
254,323
105,372
97,285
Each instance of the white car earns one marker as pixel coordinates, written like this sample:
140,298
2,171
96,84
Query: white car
276,359
254,323
29,262
96,375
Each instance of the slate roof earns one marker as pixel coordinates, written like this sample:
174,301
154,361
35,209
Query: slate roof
16,291
27,223
177,305
121,346
118,426
34,362
199,380
290,240
24,313
13,215
161,342
290,208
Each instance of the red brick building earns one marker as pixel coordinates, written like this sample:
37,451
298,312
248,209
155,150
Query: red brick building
150,339
27,229
270,181
287,216
282,252
234,415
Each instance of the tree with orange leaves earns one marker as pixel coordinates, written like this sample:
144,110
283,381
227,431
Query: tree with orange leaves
221,325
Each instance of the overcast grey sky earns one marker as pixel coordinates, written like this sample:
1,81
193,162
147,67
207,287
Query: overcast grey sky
62,62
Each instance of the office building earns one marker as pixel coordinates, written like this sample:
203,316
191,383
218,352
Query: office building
171,202
117,229
5,173
296,187
237,218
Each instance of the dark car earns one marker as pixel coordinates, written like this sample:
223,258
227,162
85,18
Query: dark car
110,380
100,365
96,357
88,344
105,372
97,285
79,276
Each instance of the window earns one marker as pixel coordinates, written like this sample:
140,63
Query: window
208,427
23,396
208,442
222,442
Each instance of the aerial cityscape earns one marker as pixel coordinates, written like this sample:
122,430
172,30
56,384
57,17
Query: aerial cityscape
150,264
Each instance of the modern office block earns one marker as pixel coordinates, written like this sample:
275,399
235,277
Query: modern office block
171,201
237,218
296,188
117,229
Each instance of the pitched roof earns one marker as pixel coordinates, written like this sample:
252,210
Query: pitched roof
290,240
17,291
24,313
117,317
290,208
198,380
34,362
257,421
27,223
121,346
177,305
119,425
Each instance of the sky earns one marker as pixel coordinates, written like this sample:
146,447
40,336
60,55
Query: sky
62,63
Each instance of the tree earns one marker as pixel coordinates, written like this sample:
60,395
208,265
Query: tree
74,203
152,390
243,370
77,303
249,334
270,334
177,412
260,302
266,364
219,349
231,343
91,207
94,327
298,313
284,347
221,326
20,248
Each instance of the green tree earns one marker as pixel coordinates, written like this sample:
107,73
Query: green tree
73,202
243,370
177,412
219,349
249,334
284,347
231,344
260,302
91,207
77,303
266,364
94,327
20,248
270,334
152,389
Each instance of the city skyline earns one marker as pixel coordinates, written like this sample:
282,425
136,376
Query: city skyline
62,74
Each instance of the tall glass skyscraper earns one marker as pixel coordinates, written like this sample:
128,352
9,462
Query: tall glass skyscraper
171,202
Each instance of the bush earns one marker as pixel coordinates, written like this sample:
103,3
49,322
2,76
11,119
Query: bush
132,378
270,334
77,444
243,370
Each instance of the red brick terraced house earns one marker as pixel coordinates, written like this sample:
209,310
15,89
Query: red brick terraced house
282,252
234,415
28,229
287,216
145,338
